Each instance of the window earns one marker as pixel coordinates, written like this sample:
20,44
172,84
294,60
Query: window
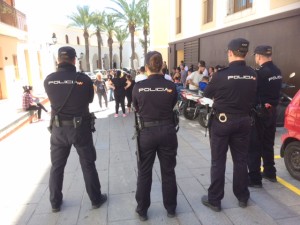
240,5
208,11
67,39
178,16
16,66
78,41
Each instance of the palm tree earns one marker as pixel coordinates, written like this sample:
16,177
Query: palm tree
82,19
109,26
130,14
121,35
145,24
97,21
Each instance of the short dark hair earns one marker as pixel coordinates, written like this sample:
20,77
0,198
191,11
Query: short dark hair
142,69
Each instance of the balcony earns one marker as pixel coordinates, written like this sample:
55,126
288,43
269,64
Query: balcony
10,16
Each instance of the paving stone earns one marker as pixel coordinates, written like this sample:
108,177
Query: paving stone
289,221
271,205
45,219
249,216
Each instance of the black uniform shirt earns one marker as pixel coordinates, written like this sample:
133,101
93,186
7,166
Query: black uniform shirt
59,84
269,82
233,88
155,98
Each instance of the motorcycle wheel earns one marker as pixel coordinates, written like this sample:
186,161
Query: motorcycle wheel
202,119
190,115
292,159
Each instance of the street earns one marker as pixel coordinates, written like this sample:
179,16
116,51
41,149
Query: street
25,163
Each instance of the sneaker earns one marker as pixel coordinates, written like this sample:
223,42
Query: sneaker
116,115
142,217
243,204
103,199
269,178
253,184
205,202
124,115
56,209
171,214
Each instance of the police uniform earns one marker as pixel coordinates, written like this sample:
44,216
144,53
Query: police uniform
154,100
233,90
72,126
269,80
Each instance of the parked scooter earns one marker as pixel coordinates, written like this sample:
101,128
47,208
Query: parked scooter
283,101
187,104
204,106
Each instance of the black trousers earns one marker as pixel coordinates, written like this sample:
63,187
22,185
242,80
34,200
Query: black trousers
234,133
62,139
120,99
160,140
262,146
39,107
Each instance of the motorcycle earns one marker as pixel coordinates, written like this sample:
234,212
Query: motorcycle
204,106
284,101
187,104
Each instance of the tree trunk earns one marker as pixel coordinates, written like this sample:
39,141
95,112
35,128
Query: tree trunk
145,45
87,50
121,57
132,30
110,43
98,34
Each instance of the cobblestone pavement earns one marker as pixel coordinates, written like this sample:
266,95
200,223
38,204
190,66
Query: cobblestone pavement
24,171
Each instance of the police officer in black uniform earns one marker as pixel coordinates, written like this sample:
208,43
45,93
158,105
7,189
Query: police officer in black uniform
70,94
154,100
233,90
269,81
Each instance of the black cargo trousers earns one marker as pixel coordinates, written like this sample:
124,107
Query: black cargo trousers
234,133
160,140
62,139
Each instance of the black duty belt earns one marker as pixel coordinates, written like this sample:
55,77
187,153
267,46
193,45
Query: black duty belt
222,117
157,123
66,123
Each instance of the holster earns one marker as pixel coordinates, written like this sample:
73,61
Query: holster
92,121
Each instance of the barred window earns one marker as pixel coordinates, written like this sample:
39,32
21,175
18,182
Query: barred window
240,5
208,11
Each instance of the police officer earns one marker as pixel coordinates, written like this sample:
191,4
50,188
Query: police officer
269,80
233,90
70,94
154,100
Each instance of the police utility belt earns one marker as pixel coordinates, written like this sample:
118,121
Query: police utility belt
142,124
223,117
75,122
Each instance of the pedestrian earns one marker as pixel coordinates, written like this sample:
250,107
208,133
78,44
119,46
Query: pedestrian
110,87
269,80
233,90
119,84
183,75
194,79
141,76
100,90
30,102
70,94
128,91
154,100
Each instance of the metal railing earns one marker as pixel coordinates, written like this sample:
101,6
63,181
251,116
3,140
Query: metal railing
11,16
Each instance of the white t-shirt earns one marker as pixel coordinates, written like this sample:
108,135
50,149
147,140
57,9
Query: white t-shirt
168,77
140,77
196,77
